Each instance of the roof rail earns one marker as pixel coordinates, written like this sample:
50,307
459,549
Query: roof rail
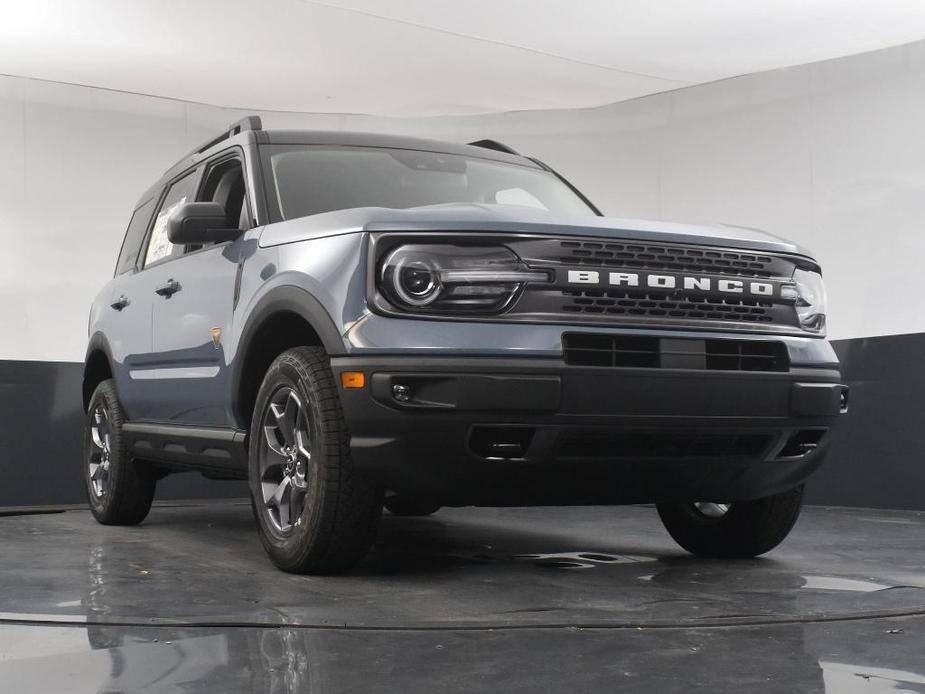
248,123
495,145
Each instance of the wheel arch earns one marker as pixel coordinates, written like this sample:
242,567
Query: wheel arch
97,366
286,317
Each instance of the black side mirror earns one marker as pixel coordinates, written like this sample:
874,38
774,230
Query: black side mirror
199,222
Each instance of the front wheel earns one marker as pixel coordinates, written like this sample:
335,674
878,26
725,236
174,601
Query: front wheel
315,513
736,530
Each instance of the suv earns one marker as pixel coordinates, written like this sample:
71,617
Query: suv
350,320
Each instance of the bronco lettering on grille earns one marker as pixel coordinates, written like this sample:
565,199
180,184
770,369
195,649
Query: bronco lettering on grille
674,282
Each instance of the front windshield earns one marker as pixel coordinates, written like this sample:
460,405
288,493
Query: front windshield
304,180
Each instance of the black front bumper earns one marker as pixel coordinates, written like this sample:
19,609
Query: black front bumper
491,431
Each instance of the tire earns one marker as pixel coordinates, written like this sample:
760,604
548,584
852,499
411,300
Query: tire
119,490
746,529
315,513
405,506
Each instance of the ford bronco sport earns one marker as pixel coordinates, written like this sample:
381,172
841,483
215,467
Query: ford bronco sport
349,321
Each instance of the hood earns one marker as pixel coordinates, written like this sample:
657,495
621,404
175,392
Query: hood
508,218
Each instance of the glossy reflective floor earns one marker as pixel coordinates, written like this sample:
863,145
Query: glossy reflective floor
513,600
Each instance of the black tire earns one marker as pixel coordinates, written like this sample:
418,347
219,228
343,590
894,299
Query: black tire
747,529
407,506
328,519
119,490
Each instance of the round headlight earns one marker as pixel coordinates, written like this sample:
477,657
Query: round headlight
444,278
415,281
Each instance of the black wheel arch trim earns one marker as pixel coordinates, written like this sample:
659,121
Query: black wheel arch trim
97,344
283,299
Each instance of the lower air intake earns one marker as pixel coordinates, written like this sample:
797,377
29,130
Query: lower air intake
583,349
616,444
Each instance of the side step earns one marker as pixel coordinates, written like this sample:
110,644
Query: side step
214,448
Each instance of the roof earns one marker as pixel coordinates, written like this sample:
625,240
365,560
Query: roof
358,139
249,131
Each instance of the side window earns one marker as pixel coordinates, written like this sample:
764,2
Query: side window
159,246
224,184
134,237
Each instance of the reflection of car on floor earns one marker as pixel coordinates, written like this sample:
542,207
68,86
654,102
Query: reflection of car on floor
348,320
288,659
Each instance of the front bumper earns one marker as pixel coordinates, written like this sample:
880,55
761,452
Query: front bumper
525,431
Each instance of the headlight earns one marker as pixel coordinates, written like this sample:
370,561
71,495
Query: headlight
808,295
443,278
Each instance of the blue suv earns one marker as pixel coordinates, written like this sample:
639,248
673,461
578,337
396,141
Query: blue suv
351,320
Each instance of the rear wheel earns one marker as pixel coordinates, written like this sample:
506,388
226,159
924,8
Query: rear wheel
735,530
315,513
120,491
406,506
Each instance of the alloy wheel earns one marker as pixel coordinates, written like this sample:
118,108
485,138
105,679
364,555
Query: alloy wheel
709,509
284,458
100,451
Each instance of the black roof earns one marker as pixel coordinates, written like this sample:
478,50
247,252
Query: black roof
250,130
358,139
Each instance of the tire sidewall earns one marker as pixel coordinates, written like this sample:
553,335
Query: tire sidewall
288,547
101,506
748,529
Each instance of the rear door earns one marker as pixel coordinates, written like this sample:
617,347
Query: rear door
193,311
125,319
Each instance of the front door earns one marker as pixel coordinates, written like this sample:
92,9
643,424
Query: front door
193,309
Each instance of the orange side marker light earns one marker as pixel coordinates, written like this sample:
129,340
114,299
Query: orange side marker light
352,379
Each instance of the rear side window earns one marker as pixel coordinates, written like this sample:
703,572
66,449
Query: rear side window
134,237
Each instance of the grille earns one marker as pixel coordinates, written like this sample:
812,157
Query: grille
603,304
675,306
672,258
617,444
581,349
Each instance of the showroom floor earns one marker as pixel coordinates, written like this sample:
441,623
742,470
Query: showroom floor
519,600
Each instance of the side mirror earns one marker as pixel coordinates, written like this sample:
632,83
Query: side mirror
199,222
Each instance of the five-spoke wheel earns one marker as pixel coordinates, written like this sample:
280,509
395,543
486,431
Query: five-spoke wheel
315,513
100,456
119,489
285,458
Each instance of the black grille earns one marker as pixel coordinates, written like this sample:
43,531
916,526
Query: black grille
673,306
582,349
681,444
673,258
603,304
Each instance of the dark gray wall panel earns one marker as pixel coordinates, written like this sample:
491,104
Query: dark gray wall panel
877,459
41,424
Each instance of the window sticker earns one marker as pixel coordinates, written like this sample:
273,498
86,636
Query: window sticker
160,247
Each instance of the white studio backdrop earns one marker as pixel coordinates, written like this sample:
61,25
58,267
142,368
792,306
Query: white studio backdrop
432,57
828,154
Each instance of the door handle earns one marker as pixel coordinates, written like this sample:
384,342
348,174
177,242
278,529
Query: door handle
119,303
168,289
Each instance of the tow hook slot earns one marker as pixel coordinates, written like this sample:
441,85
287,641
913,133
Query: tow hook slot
801,443
501,442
